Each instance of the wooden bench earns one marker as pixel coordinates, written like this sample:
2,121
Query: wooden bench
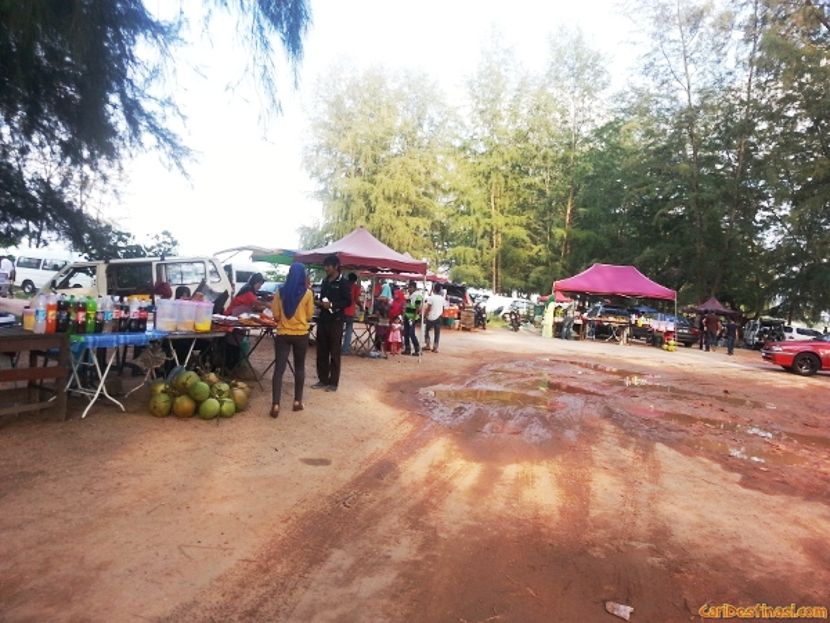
15,341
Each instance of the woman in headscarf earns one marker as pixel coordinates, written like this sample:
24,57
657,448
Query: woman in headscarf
293,308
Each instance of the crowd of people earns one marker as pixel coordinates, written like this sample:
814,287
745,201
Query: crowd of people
397,313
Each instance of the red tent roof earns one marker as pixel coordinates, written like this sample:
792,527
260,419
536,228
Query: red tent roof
610,279
360,249
714,305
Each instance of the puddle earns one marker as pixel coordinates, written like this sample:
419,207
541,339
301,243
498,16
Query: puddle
502,397
599,367
746,442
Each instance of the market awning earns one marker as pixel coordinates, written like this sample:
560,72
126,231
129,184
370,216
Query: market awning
714,306
610,279
360,249
259,254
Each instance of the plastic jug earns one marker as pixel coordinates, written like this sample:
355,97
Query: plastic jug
166,315
204,316
185,315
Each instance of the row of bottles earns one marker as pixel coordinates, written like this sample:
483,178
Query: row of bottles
53,314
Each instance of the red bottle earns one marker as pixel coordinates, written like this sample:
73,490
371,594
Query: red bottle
52,314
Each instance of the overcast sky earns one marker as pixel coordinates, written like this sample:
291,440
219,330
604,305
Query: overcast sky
247,184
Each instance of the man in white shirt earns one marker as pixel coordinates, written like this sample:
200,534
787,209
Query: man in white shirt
434,311
6,274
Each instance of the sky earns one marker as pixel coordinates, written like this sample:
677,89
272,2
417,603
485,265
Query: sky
246,184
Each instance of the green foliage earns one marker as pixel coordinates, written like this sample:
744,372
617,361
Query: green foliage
711,172
76,98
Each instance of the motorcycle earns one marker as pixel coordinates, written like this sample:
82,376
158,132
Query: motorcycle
480,316
515,319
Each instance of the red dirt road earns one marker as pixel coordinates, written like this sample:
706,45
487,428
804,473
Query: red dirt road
509,478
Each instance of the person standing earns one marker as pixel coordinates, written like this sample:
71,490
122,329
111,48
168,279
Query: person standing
7,268
349,314
547,319
293,308
412,314
435,310
731,336
712,324
335,296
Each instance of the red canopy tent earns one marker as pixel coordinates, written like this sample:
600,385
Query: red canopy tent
360,249
609,279
715,306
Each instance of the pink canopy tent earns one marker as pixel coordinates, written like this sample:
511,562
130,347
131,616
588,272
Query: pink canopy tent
405,276
714,305
360,249
609,279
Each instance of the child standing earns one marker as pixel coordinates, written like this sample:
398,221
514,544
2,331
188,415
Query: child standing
395,331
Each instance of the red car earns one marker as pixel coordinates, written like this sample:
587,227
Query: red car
804,358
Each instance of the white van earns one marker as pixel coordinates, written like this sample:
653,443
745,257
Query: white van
34,268
138,276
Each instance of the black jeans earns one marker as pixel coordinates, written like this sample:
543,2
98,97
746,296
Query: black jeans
435,325
410,336
329,345
282,344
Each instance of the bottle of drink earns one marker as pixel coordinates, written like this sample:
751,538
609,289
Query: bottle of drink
99,315
72,312
133,323
40,314
52,314
63,315
91,314
107,326
80,316
124,322
142,317
151,318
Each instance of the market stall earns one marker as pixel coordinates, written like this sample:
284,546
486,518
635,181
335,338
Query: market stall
614,280
360,250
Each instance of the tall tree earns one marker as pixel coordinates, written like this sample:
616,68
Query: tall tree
78,93
378,152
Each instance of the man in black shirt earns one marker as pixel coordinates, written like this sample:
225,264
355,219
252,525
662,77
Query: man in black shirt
335,296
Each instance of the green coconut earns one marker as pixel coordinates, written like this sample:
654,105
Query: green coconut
184,406
227,407
199,391
184,380
158,386
220,390
160,405
240,398
209,409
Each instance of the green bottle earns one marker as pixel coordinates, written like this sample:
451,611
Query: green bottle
91,311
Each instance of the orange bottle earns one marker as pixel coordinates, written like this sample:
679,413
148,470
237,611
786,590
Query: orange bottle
52,314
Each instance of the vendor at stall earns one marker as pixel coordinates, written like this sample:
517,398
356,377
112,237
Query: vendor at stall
246,300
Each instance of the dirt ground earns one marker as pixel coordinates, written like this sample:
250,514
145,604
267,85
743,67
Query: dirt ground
508,478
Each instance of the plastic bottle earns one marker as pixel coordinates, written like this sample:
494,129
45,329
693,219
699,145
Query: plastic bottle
133,323
80,316
99,315
51,314
63,314
40,314
151,318
142,317
107,328
124,321
91,314
72,312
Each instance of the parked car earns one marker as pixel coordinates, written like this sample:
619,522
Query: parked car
802,334
267,290
762,330
685,332
802,357
35,267
138,276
